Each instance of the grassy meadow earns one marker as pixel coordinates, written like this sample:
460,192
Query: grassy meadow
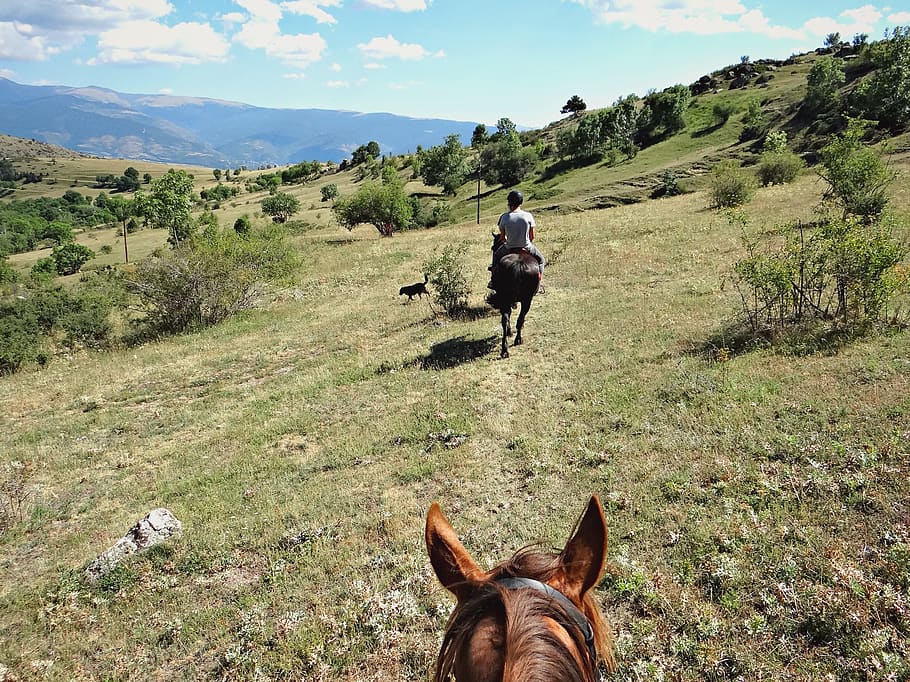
757,501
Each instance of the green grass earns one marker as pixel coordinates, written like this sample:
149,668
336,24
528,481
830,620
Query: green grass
302,444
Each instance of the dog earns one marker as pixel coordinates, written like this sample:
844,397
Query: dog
418,289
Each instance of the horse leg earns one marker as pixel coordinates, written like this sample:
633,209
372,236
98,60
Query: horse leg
525,306
506,332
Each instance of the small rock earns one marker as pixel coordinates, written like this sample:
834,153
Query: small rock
159,525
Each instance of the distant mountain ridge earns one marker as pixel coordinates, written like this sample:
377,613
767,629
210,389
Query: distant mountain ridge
205,132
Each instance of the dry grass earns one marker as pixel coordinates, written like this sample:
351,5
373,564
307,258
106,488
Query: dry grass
759,493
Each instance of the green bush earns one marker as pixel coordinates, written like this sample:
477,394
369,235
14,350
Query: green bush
446,273
731,185
778,168
243,224
838,271
857,176
44,269
722,112
205,280
668,185
70,257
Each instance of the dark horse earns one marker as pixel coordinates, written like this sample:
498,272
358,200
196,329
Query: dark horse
532,617
516,279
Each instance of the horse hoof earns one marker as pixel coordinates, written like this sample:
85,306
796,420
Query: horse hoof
504,353
518,341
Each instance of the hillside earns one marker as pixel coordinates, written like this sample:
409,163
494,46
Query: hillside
756,496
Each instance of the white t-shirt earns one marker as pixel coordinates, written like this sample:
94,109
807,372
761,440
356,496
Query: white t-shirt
517,225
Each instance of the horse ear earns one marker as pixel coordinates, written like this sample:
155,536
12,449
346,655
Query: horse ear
585,553
453,565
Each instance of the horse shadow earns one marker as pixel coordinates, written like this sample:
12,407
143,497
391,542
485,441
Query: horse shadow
457,351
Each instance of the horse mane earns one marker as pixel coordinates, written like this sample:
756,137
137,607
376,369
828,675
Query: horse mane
534,650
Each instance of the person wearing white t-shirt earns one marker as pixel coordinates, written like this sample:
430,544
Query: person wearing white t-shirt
516,231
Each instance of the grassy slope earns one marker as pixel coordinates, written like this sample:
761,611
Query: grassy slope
757,505
752,493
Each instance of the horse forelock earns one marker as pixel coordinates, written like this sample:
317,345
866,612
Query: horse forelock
532,630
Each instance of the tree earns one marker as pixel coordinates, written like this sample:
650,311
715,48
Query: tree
7,171
832,39
329,191
575,105
480,137
168,204
243,224
856,175
217,174
70,257
280,206
664,115
386,207
364,152
504,127
506,162
823,86
445,165
59,231
886,95
753,121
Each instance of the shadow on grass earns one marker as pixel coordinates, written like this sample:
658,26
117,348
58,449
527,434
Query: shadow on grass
820,337
708,130
473,313
457,351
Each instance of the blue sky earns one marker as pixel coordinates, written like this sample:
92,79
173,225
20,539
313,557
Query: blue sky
472,60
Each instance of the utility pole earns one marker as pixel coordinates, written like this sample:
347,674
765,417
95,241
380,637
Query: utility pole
478,190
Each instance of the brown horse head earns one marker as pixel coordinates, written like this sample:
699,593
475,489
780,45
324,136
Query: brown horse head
529,618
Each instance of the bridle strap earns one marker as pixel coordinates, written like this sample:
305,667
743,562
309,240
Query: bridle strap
584,625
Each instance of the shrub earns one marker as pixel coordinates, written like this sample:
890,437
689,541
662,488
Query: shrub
70,257
243,224
823,86
723,111
329,191
731,185
840,270
44,269
446,273
668,185
778,168
207,279
857,176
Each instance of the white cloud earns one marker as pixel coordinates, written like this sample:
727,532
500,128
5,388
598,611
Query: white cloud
861,20
374,65
899,18
398,5
20,42
166,91
337,84
335,67
313,8
7,73
77,16
137,42
384,48
233,18
700,17
127,31
261,31
294,76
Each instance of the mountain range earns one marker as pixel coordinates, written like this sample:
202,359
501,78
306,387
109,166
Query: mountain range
205,132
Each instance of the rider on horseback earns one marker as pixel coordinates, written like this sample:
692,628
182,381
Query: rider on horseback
516,232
